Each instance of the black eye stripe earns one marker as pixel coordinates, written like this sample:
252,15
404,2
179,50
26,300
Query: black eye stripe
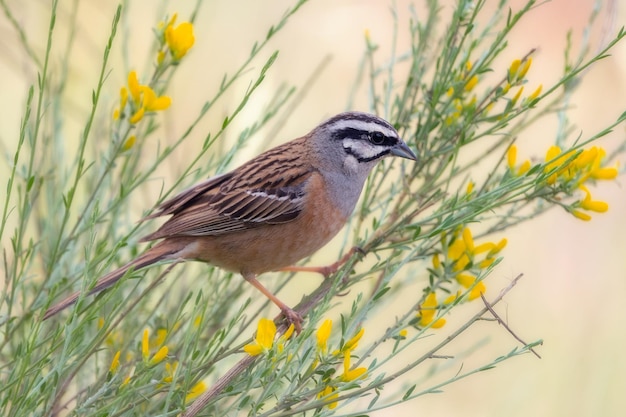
360,158
352,133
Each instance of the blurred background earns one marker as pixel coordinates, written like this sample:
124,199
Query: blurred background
574,286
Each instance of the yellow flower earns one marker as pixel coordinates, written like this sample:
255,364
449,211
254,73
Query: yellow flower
158,340
484,247
469,86
286,336
511,157
462,263
128,377
525,68
451,298
513,69
586,158
135,118
555,158
535,93
427,312
153,103
470,188
604,173
402,333
170,371
330,397
524,168
130,142
160,57
352,343
497,248
348,374
580,215
436,261
517,95
133,87
115,363
145,345
123,97
597,171
143,97
468,239
465,280
597,206
476,291
456,249
450,92
468,281
123,100
323,333
195,391
179,39
159,356
553,152
264,339
588,204
485,263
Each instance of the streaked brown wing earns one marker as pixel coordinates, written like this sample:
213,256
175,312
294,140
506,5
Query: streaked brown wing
239,210
183,199
269,189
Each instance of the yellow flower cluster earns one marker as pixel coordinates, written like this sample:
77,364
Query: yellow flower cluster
157,345
195,391
329,393
428,311
463,263
145,349
516,77
569,171
265,342
572,171
586,165
464,105
465,83
143,100
138,100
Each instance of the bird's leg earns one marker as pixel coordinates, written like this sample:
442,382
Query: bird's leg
327,270
292,316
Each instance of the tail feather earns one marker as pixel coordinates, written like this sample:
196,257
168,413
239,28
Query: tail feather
157,253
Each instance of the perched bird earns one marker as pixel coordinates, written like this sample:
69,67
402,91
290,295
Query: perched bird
275,209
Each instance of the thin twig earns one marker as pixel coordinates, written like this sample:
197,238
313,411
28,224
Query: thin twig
508,329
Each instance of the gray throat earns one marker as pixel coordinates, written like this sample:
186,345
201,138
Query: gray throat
344,190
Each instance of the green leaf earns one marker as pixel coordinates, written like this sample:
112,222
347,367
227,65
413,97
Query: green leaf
380,293
408,393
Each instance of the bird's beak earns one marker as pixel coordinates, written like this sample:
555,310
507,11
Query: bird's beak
403,151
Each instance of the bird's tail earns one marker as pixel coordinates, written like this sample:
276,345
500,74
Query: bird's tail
158,252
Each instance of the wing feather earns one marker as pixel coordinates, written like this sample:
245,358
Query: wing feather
257,193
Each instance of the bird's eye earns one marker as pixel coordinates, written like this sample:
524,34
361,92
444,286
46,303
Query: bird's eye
377,138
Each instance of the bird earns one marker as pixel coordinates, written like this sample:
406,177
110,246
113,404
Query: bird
272,211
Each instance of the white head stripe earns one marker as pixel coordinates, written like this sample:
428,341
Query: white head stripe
365,125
